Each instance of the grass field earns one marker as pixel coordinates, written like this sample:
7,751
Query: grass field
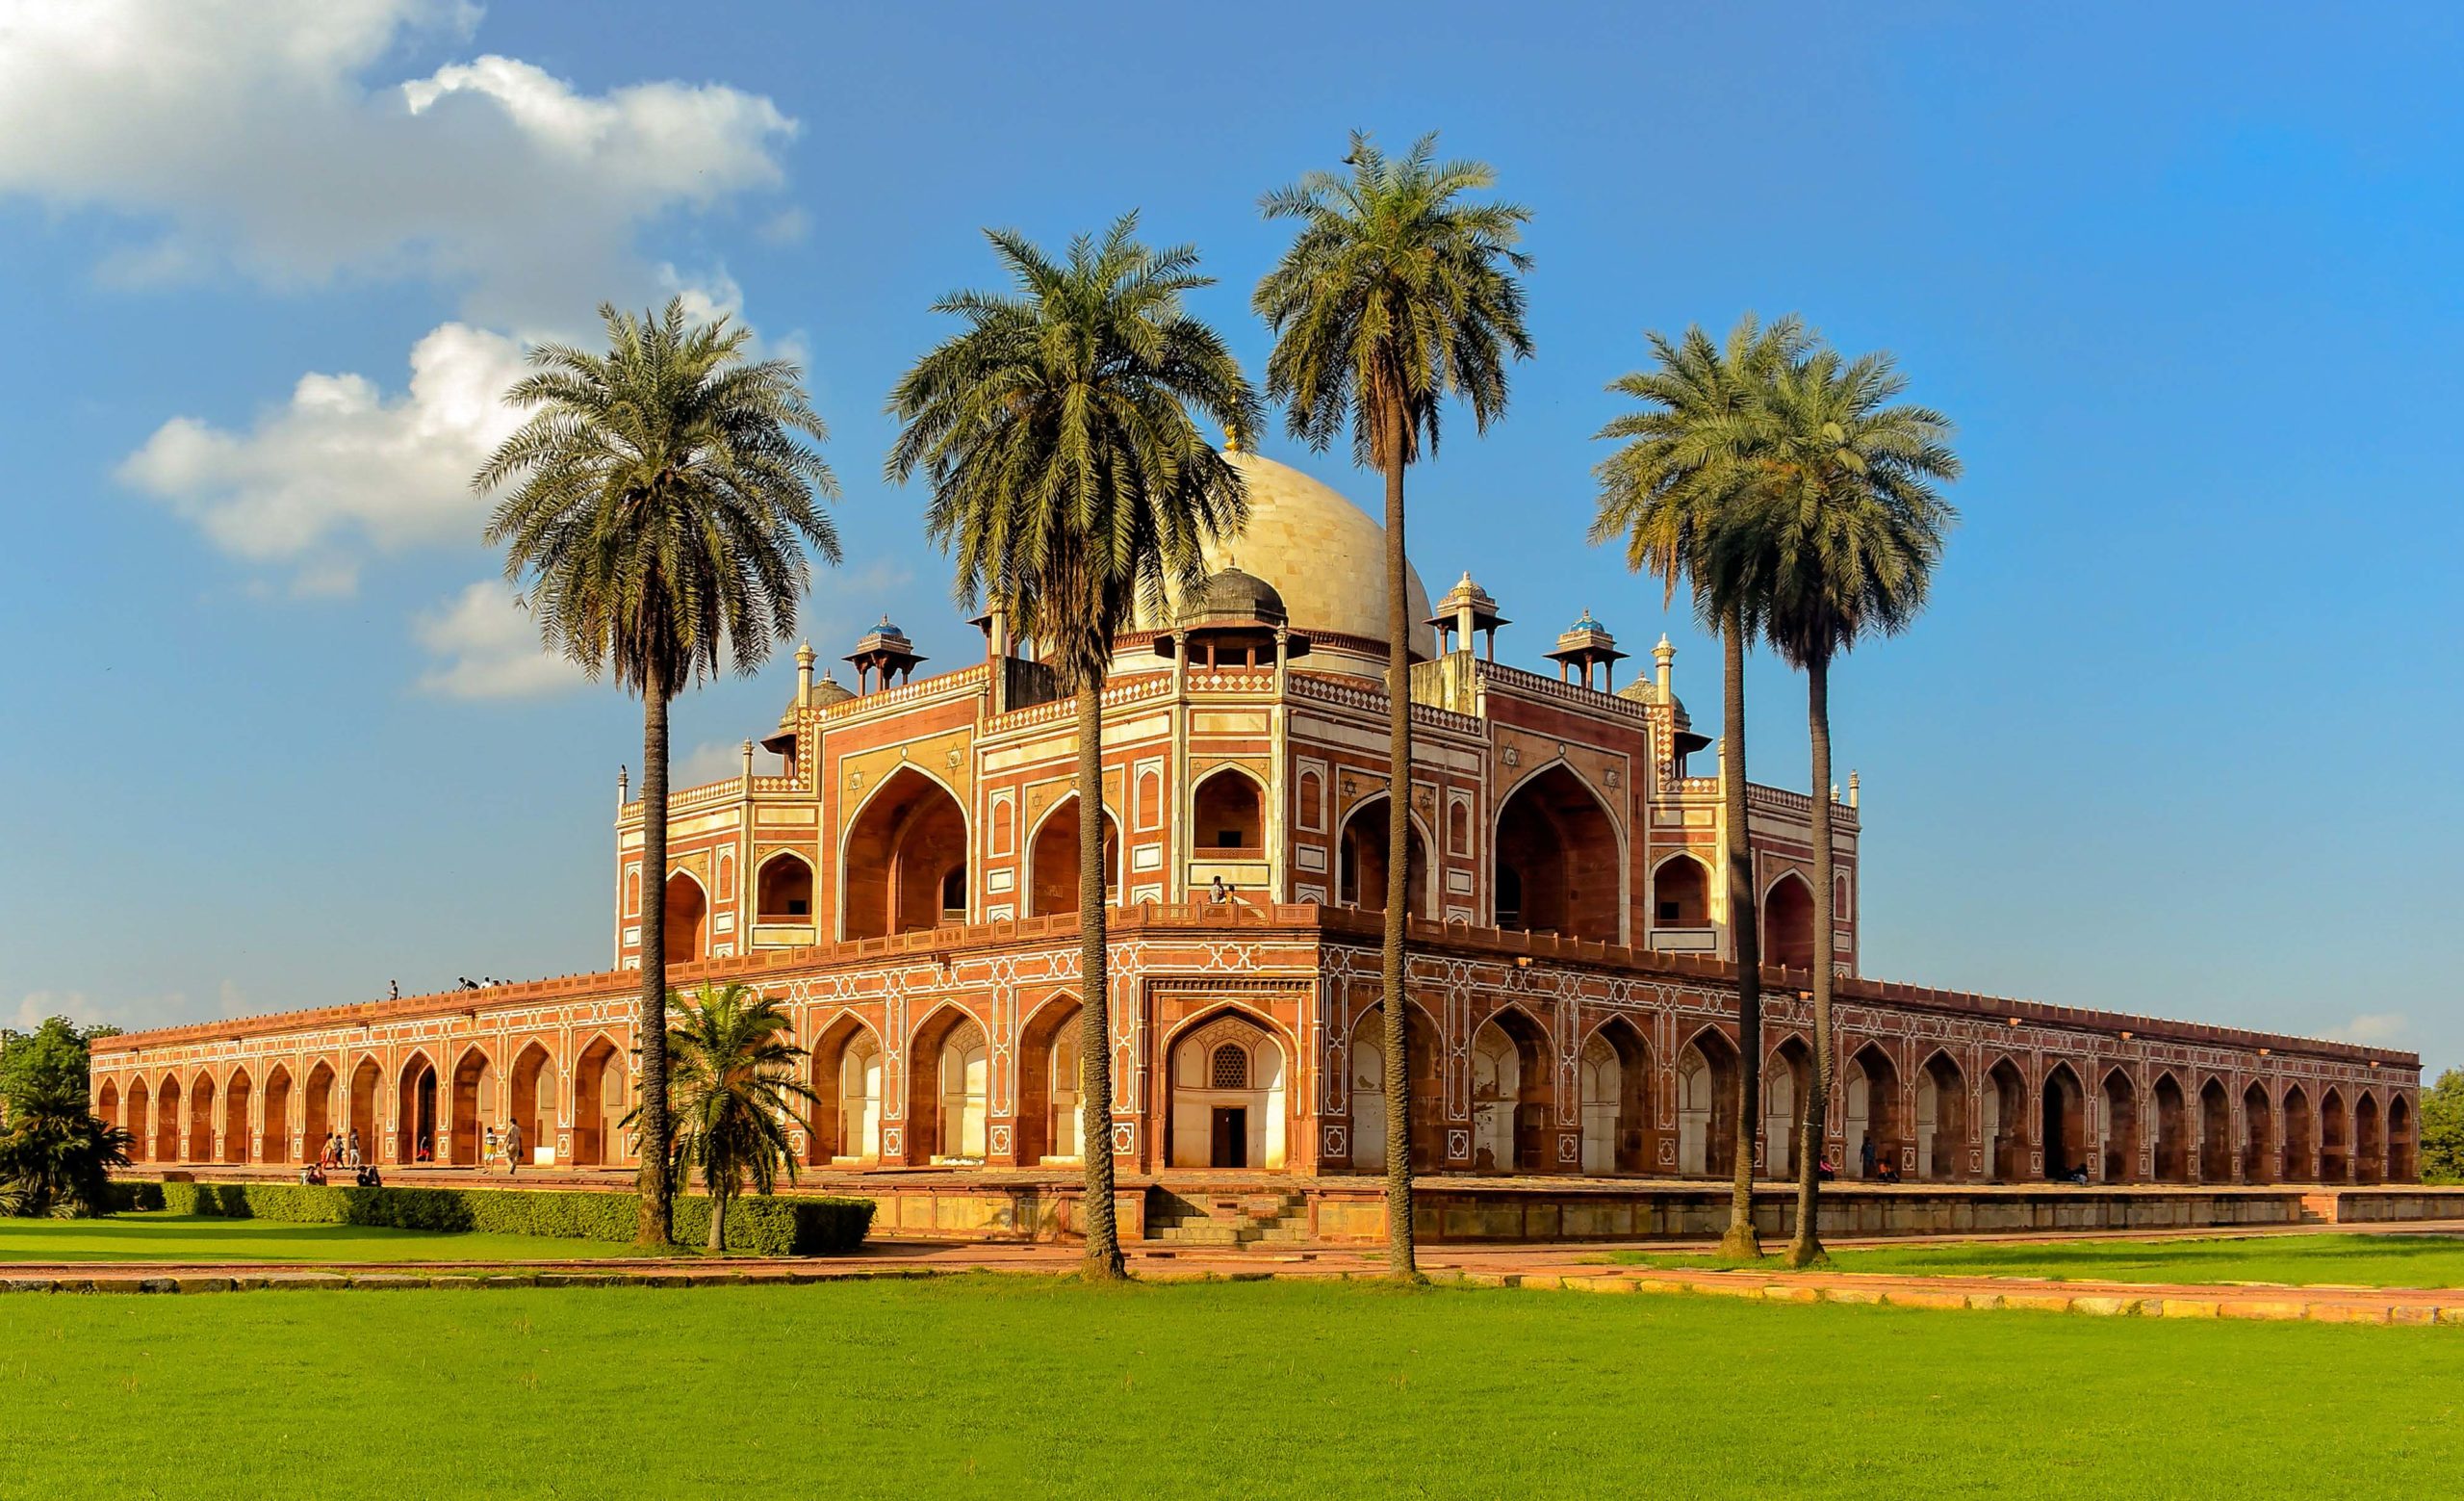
2321,1260
1002,1387
185,1237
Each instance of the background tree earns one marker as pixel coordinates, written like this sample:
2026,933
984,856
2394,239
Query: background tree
1396,293
735,1081
52,1059
657,531
56,1155
2442,1127
1677,493
1059,431
1842,545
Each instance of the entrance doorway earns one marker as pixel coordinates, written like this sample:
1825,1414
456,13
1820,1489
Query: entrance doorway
1230,1148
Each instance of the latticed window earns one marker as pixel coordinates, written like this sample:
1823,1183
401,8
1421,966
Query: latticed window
1230,1066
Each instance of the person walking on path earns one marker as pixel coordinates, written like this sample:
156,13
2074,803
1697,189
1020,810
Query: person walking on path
351,1157
512,1148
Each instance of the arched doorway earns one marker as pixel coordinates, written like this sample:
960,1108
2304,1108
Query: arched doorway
949,1089
107,1104
317,1102
1511,1090
1360,874
534,1103
2173,1158
236,1092
2258,1139
1051,1079
415,1097
1941,1120
902,854
783,889
139,1107
2335,1157
276,1144
1706,1098
1787,1079
1367,1077
2121,1128
2369,1160
847,1081
1787,924
2065,1124
166,1119
365,1081
1616,1071
689,918
201,1118
474,1106
2301,1132
1228,1110
2401,1163
1681,894
599,1104
1052,862
1875,1129
1559,854
1228,817
2214,1133
2002,1125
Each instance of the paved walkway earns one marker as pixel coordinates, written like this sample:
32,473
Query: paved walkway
1571,1268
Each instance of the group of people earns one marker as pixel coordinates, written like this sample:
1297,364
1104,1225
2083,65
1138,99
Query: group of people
342,1153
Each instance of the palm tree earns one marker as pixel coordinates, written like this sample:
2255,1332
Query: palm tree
1059,431
1846,542
1679,492
736,1085
658,529
56,1155
1395,294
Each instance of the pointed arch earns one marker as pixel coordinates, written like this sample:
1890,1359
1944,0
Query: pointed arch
1560,853
1874,1100
949,1079
1941,1119
898,855
689,918
1052,1077
1787,922
1227,813
274,1141
1229,1071
318,1117
1365,1073
2260,1155
1052,860
2064,1134
849,1065
600,1103
2402,1162
199,1140
474,1105
2002,1120
2301,1137
533,1105
1707,1080
2121,1126
1361,853
2215,1132
1616,1077
1788,1080
367,1083
107,1103
2175,1157
415,1103
139,1107
1682,892
236,1092
2335,1151
2369,1141
1514,1091
783,888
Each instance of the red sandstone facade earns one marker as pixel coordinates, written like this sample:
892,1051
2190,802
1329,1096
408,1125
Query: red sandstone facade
905,881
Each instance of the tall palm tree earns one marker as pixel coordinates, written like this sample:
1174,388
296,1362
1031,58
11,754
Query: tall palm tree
736,1085
657,524
1844,546
1060,433
1680,492
1396,293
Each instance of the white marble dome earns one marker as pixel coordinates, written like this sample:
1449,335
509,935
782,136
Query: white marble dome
1326,556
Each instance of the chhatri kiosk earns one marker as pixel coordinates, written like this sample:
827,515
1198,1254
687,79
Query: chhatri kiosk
901,871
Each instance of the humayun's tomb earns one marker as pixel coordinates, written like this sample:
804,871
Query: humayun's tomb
902,871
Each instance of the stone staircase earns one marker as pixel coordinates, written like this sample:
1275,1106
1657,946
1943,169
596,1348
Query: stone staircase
2319,1210
1228,1219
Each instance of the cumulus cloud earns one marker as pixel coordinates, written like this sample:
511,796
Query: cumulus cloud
488,647
341,466
36,1007
2376,1028
247,135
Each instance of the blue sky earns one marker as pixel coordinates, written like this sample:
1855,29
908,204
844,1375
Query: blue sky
2177,737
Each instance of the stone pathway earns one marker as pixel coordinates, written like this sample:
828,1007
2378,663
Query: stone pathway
1568,1268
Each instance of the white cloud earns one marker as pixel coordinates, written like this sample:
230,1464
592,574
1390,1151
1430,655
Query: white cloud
2376,1028
489,648
245,134
340,467
36,1006
716,760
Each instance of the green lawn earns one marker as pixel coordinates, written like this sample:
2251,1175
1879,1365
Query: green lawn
1027,1387
2346,1260
189,1237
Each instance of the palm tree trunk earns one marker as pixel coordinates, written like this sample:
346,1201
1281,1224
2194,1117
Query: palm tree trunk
655,1227
1402,1259
1094,1039
718,1219
1807,1248
1741,1241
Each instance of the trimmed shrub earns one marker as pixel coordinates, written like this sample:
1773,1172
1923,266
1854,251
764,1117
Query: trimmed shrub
126,1195
776,1227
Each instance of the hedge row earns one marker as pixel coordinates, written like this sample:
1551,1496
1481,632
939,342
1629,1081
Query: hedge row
796,1227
